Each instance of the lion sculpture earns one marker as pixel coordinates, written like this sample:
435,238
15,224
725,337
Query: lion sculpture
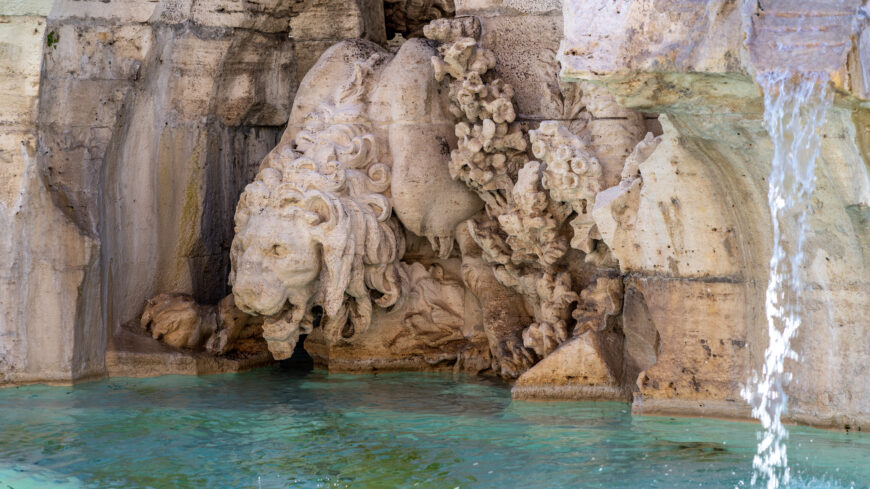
319,226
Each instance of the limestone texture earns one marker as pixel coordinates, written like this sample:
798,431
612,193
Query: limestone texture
689,222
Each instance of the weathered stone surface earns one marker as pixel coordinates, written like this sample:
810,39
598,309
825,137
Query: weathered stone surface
691,224
501,7
702,353
50,305
321,23
588,366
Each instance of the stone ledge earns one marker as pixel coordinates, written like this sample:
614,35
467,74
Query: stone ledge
38,8
569,392
734,410
138,355
153,364
738,410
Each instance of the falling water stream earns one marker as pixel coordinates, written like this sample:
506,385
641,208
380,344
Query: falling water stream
794,111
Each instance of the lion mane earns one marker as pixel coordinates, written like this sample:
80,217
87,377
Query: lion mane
329,178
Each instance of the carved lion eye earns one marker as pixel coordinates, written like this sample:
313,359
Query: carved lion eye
278,250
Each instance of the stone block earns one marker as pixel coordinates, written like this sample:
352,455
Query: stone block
340,19
265,16
195,64
525,47
493,8
21,48
703,352
85,52
116,11
38,8
610,38
257,81
587,367
78,103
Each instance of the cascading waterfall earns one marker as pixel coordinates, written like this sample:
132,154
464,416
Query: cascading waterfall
794,112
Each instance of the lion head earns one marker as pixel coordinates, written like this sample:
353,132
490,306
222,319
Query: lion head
315,229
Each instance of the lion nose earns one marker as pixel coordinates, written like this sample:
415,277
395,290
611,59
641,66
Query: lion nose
246,295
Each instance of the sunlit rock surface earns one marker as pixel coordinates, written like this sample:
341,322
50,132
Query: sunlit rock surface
694,231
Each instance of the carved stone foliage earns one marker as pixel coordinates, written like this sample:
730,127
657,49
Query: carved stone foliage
572,176
522,235
535,210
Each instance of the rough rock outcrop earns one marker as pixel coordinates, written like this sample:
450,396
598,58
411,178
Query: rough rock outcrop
50,301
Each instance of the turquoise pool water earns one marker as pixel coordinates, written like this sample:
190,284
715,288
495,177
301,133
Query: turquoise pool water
275,428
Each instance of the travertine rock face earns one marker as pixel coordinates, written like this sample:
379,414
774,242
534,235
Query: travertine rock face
50,306
151,116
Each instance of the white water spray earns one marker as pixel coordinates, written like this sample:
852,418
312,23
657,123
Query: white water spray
794,111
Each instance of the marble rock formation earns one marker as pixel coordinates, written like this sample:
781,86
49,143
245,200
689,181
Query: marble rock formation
363,171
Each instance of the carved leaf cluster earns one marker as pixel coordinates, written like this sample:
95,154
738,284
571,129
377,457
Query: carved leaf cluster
528,203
